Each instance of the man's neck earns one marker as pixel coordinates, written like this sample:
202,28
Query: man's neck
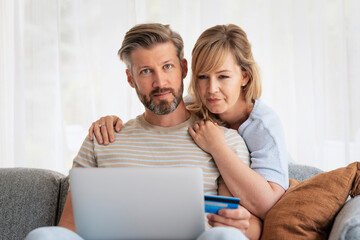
179,115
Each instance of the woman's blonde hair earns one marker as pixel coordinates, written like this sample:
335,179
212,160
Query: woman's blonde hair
209,54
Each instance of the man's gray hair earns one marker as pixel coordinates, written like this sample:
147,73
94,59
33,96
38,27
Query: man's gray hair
147,36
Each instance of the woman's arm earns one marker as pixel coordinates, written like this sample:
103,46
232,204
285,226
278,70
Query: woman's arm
256,194
239,218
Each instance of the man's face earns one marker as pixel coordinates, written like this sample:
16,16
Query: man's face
157,77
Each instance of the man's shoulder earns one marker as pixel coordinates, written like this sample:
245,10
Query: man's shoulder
134,122
230,132
131,127
232,137
237,144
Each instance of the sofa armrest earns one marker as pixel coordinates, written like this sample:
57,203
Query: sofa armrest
64,188
29,199
347,222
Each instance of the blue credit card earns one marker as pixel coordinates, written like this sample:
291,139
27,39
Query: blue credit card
214,203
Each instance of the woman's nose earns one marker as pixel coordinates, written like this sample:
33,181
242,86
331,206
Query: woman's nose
213,85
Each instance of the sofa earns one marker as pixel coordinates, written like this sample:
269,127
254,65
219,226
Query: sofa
32,198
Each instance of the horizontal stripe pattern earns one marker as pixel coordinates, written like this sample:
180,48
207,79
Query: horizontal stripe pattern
140,144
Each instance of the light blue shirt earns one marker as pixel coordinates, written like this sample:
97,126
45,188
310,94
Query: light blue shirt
264,137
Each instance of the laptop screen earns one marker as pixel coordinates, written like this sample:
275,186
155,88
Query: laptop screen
138,203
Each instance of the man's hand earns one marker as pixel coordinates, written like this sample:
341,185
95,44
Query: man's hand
238,218
104,129
208,136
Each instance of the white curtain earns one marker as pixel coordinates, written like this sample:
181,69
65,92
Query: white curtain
59,70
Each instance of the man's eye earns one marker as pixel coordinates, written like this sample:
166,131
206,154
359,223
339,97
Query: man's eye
202,77
168,66
145,71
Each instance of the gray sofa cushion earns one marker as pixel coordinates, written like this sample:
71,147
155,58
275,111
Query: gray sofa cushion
302,172
347,222
29,199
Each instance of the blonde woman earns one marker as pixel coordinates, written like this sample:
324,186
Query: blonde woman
225,88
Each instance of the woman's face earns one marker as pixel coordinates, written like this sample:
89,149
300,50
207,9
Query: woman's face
220,90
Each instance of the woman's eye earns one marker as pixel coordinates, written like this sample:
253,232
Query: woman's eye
223,76
168,66
202,77
145,71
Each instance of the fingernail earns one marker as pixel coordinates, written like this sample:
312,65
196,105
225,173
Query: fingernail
106,142
111,139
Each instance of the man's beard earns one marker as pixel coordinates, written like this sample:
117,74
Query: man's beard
164,107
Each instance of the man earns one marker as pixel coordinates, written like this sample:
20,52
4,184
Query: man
153,54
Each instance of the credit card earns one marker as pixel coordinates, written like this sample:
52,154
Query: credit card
214,203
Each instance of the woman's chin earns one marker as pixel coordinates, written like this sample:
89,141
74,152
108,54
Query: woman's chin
216,110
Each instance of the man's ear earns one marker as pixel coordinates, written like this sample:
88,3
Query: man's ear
184,68
129,78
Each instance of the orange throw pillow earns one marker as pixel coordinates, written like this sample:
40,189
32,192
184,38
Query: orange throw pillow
308,208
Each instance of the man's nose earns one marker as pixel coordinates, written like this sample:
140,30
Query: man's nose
159,79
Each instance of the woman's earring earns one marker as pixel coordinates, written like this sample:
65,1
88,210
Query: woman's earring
244,84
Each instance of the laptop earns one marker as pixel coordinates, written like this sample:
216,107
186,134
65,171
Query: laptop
138,203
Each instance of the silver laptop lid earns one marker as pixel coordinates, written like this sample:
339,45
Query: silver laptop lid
138,203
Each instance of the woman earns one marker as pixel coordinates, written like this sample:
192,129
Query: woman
225,87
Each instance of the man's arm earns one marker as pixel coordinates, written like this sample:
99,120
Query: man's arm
67,216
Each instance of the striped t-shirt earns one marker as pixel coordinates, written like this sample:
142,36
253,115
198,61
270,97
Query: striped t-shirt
141,144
